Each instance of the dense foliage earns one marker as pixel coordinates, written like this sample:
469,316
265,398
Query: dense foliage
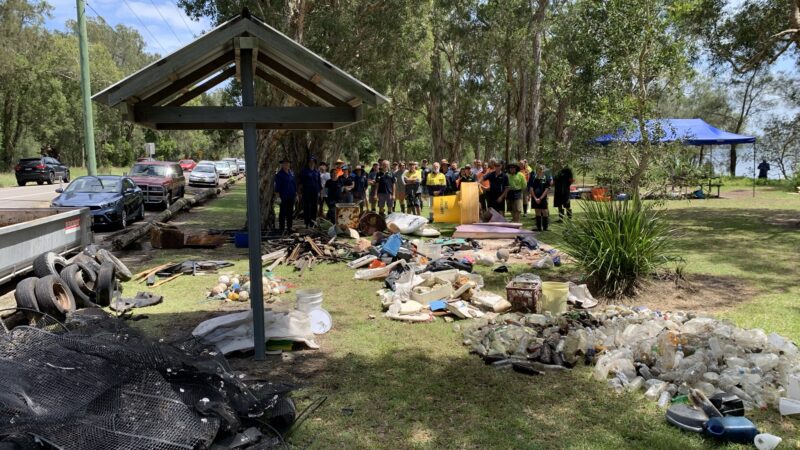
618,244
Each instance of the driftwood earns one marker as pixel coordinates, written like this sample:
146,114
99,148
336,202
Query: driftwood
199,197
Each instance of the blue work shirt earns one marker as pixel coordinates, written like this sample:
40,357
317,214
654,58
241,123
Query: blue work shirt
360,182
285,185
310,181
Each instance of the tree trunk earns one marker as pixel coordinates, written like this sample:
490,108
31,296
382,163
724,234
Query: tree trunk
536,79
523,115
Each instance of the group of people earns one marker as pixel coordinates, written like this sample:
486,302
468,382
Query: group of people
513,187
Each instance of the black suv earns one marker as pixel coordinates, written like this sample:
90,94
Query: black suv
40,169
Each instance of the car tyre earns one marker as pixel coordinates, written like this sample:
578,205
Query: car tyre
40,182
66,177
140,216
168,200
73,276
25,295
54,296
123,221
104,289
21,183
122,271
48,264
51,178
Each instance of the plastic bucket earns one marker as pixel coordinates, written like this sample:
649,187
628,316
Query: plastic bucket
554,297
240,239
309,299
429,250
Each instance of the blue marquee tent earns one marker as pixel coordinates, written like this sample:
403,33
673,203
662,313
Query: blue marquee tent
689,131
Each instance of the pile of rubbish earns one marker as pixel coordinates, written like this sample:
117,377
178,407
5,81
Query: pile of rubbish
98,384
235,287
663,354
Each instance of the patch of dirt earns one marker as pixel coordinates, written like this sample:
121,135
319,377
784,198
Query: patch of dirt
697,293
738,193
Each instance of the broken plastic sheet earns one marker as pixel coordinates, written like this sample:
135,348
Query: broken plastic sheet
234,332
405,223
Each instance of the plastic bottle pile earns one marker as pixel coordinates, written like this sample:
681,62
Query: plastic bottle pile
664,354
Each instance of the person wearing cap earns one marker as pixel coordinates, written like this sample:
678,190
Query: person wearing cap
359,187
286,189
497,181
338,167
310,188
373,191
412,178
346,185
539,186
386,187
451,174
465,176
513,192
334,189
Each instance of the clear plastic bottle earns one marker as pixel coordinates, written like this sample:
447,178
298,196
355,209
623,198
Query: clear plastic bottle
678,356
655,389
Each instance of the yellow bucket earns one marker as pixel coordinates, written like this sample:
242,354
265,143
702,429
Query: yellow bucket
554,297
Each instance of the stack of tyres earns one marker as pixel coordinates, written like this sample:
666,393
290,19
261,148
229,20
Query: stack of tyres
59,286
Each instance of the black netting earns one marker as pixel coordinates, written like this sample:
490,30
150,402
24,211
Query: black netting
102,385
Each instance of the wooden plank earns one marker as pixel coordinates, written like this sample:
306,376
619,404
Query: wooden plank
286,88
152,271
242,114
515,225
470,204
480,231
189,79
167,280
297,79
204,87
314,246
154,76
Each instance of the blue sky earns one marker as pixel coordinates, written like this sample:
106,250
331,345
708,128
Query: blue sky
166,27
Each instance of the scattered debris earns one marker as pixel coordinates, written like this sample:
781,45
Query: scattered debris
141,300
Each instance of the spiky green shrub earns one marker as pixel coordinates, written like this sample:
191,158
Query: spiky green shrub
618,243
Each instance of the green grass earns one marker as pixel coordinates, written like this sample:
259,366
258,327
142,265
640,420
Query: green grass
396,385
7,179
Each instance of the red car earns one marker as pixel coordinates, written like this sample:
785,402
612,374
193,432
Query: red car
187,164
161,182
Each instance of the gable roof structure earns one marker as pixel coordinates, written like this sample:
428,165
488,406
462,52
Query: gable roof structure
154,95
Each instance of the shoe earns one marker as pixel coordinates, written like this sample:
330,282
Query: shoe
538,223
545,222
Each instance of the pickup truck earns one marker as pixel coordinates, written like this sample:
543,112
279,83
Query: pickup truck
26,233
161,182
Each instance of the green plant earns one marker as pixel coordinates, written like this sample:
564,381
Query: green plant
617,243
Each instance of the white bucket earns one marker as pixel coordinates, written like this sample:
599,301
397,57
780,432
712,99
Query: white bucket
309,299
787,406
429,250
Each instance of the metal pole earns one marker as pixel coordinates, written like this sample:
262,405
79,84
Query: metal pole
253,207
86,91
754,169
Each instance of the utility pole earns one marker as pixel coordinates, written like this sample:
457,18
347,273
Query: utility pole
86,91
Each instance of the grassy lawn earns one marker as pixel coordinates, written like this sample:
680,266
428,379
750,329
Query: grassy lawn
8,179
397,385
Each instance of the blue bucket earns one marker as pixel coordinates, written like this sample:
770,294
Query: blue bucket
240,239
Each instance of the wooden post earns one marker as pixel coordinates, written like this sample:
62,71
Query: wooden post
253,207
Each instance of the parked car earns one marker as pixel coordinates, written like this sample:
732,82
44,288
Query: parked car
112,199
40,169
224,169
187,164
161,182
241,164
234,165
204,175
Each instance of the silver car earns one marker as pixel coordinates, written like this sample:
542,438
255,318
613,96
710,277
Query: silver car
234,165
224,169
204,175
242,167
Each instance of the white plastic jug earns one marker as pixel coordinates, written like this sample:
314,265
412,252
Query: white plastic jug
766,441
309,299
